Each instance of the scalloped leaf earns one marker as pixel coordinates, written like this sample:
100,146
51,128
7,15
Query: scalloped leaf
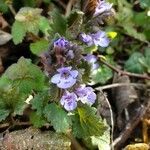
37,120
40,101
18,32
102,75
26,76
86,123
74,22
57,117
39,47
133,64
59,23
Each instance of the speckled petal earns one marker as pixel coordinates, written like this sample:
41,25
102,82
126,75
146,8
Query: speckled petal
56,78
64,84
74,73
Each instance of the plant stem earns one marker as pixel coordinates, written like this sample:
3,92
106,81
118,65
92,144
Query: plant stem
121,72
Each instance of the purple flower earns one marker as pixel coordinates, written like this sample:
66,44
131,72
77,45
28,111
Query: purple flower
100,39
87,39
69,101
92,59
65,78
86,95
102,7
61,43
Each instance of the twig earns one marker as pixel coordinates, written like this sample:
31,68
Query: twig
12,9
6,125
124,72
68,8
111,117
61,4
114,85
130,127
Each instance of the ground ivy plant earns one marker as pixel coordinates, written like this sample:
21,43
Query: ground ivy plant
60,91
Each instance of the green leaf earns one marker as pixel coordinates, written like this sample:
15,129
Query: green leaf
145,3
26,76
59,23
3,114
44,25
86,73
86,123
37,120
141,19
100,142
103,142
29,3
16,84
147,59
12,100
18,32
29,18
3,6
40,101
102,74
39,47
74,21
57,117
90,49
133,32
133,64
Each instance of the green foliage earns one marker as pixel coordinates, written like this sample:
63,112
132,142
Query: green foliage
134,63
102,75
28,20
18,32
18,81
44,25
132,19
26,75
29,3
39,102
86,73
11,101
3,113
133,32
58,24
147,59
86,123
37,120
3,6
90,49
74,22
57,117
145,3
102,142
39,47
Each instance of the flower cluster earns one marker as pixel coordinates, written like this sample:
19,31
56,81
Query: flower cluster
99,39
84,94
61,43
92,59
102,7
69,101
66,77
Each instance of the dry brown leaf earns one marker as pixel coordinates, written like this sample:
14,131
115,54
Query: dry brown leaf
137,146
